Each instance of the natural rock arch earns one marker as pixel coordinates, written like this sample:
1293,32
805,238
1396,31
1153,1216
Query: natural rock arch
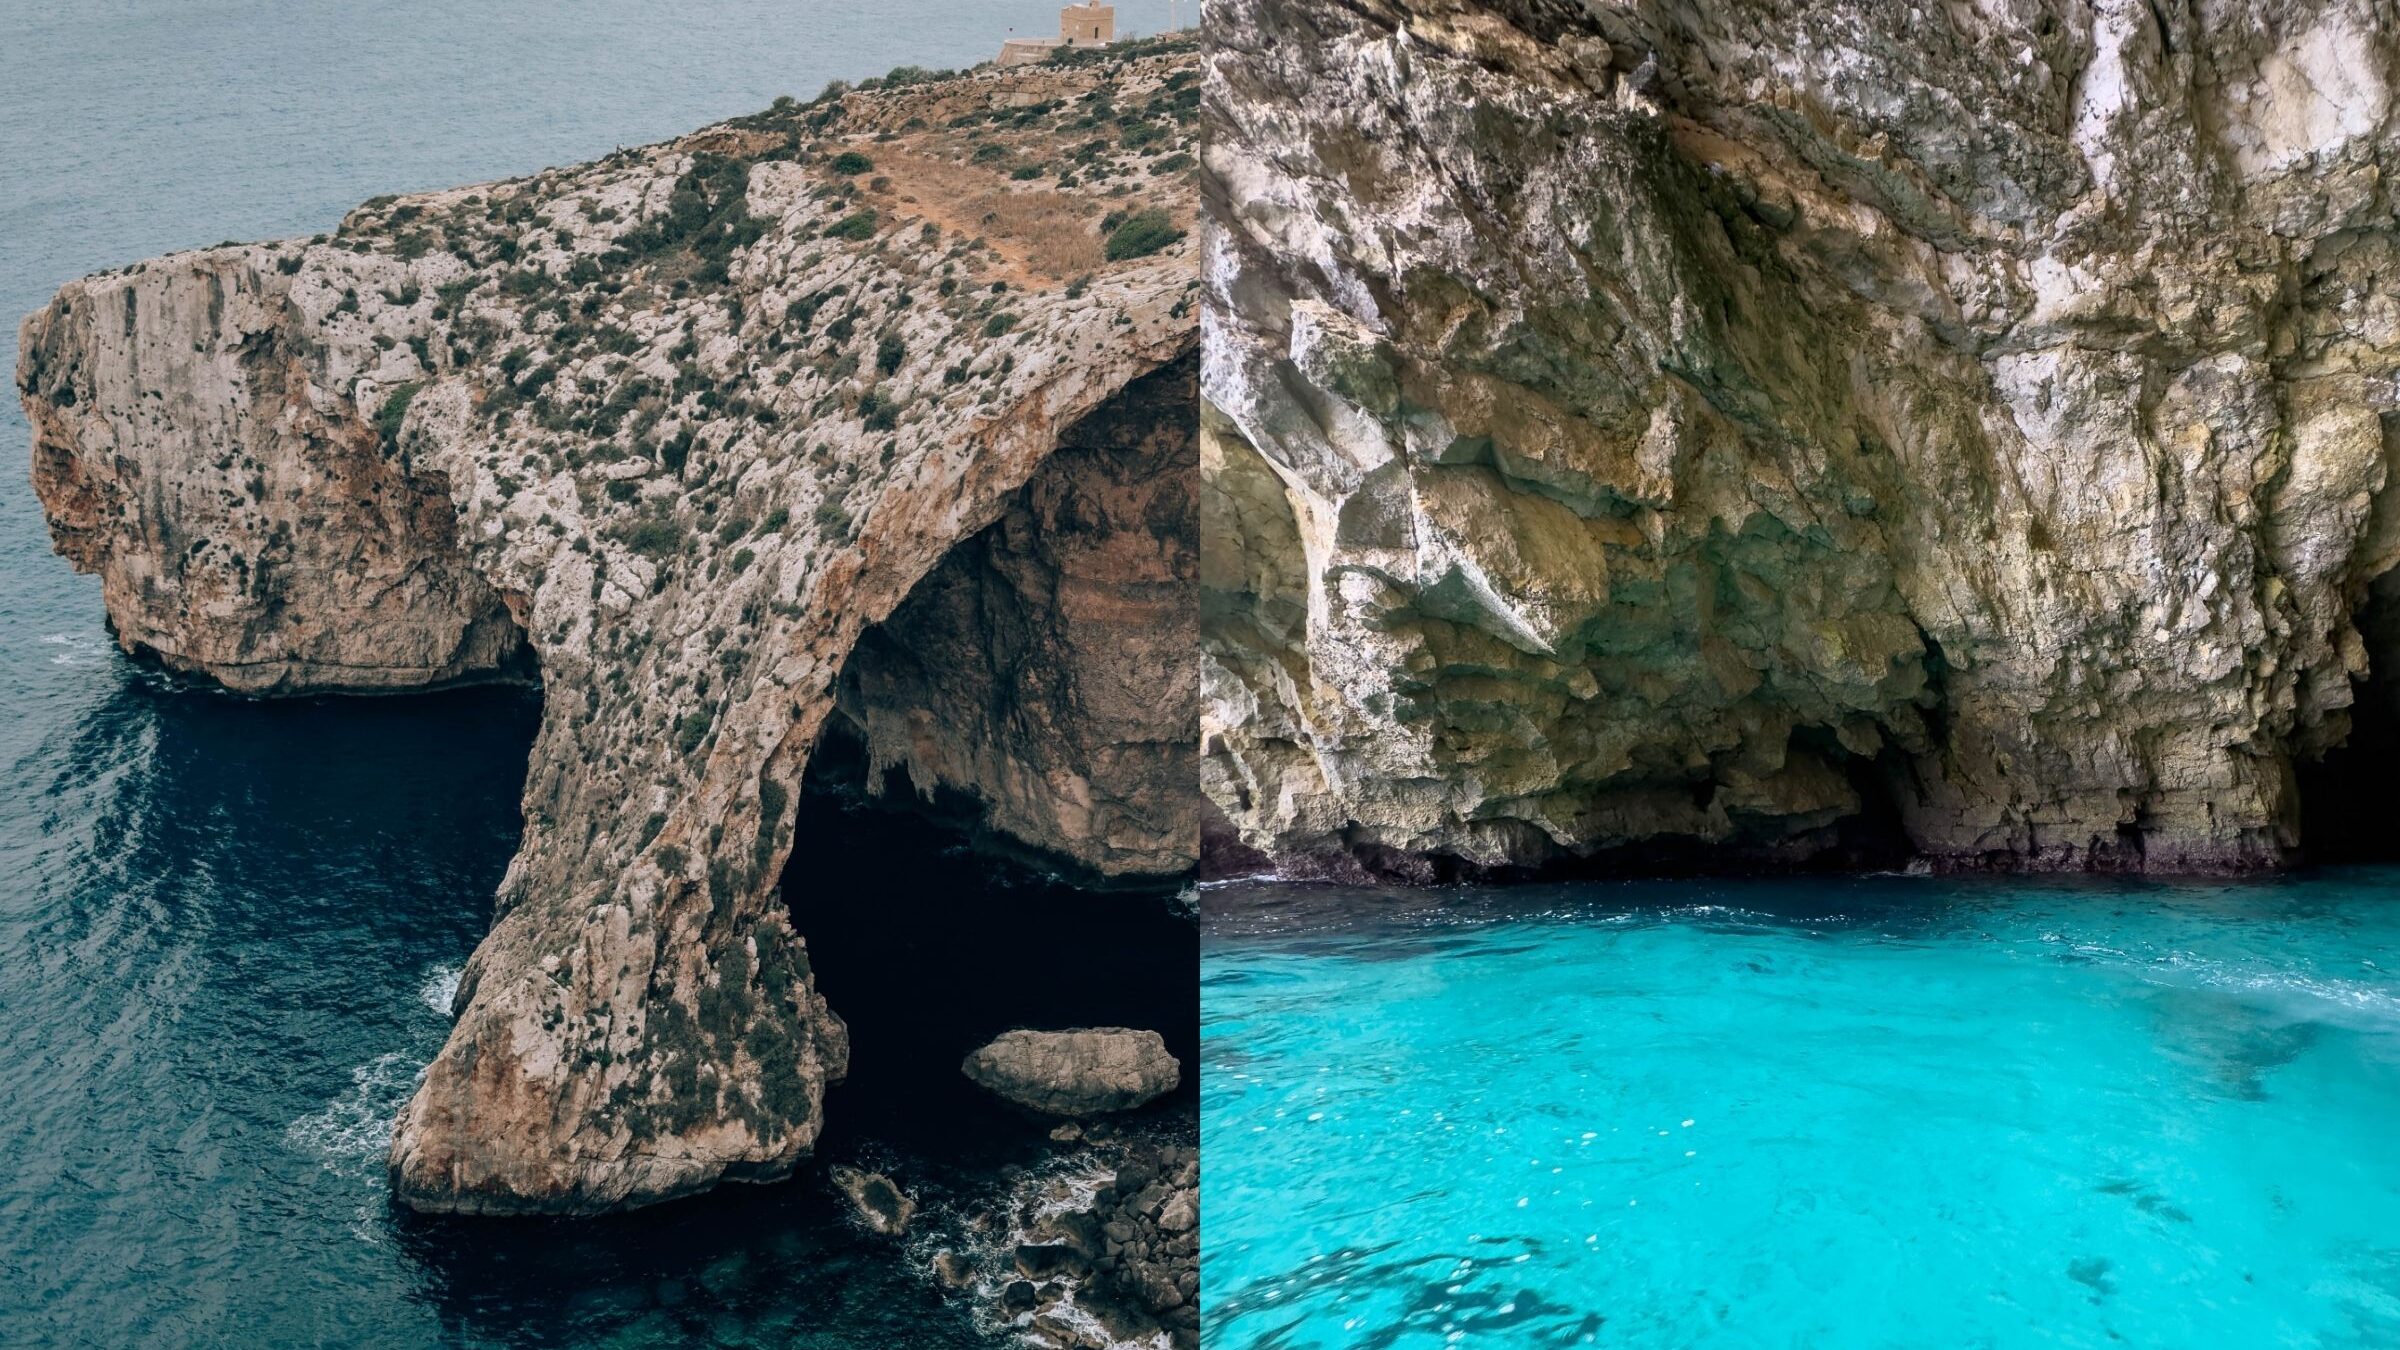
681,424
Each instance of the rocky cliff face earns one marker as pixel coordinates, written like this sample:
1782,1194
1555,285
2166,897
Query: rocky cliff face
1643,422
673,430
1048,668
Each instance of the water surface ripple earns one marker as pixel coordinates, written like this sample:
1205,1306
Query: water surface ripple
1871,1112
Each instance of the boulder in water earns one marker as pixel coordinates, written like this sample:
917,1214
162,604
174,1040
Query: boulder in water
1076,1073
883,1206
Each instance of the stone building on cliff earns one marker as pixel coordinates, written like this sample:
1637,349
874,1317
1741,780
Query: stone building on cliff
1083,25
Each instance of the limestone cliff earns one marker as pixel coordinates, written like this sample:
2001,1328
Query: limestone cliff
988,678
1719,423
670,432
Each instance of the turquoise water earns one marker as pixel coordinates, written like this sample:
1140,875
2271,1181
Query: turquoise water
227,929
1874,1112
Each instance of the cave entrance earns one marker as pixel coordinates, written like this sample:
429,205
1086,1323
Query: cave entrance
928,944
2346,798
997,820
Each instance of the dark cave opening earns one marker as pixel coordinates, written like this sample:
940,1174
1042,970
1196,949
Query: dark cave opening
1875,837
2347,797
928,944
994,820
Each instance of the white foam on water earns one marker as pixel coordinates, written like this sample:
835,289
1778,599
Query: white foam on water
2343,1003
353,1134
2354,1005
1066,1183
79,649
440,988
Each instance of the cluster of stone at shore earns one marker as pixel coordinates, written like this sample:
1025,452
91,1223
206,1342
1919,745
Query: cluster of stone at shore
1133,1256
1119,1268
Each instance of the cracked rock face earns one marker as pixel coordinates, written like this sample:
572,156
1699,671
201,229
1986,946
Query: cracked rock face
989,679
672,429
1639,423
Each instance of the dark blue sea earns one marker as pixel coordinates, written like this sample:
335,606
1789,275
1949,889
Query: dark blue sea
228,930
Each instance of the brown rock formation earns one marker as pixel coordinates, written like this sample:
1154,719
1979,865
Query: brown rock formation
681,425
1085,1072
988,679
1651,423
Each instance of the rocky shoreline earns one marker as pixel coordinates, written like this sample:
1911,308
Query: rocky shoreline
1098,1249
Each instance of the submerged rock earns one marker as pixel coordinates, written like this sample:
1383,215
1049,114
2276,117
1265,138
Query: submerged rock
955,1272
883,1206
1076,1073
1042,1261
1739,425
671,432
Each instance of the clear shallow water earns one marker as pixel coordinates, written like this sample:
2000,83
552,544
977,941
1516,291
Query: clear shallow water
225,927
1880,1112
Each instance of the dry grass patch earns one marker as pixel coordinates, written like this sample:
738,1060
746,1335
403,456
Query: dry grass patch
1042,230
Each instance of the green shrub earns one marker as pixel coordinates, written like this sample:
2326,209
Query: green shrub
851,162
655,538
998,324
708,212
859,225
677,449
393,413
1142,234
890,352
880,413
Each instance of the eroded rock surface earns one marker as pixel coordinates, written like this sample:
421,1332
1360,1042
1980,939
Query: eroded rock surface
678,425
1049,668
1637,422
1085,1072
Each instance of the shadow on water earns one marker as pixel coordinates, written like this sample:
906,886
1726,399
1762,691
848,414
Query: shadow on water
1358,919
